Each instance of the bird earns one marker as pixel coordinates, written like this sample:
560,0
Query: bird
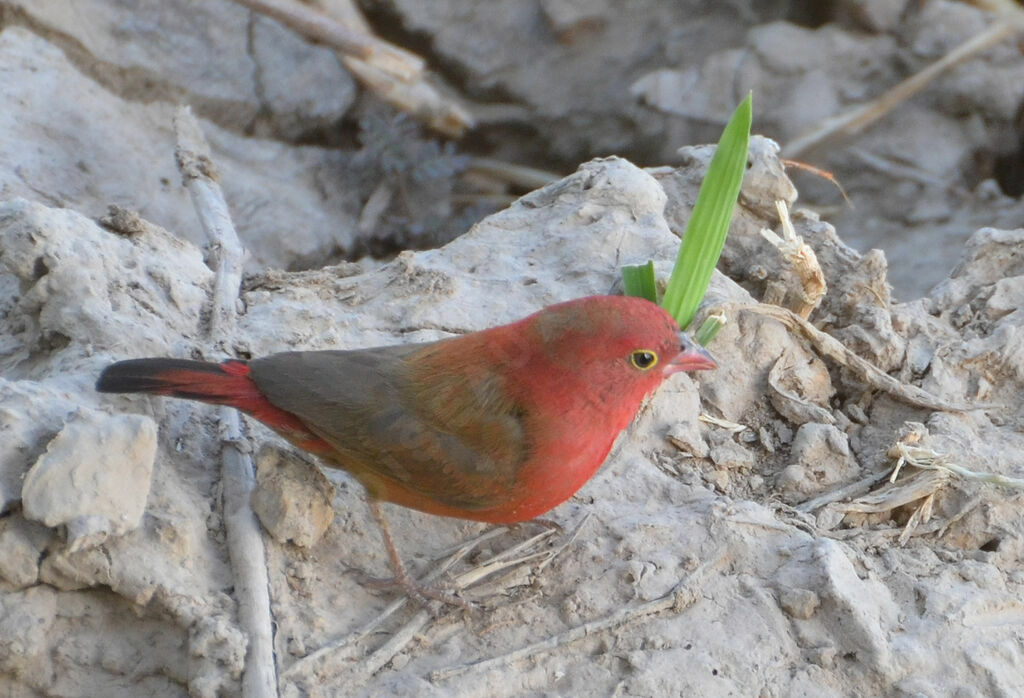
498,426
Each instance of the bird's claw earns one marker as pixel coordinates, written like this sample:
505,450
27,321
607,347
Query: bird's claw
422,594
545,523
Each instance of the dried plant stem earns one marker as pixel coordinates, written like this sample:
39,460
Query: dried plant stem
897,170
397,642
519,175
416,97
722,423
859,118
330,655
319,27
327,660
680,598
245,544
854,489
830,347
802,261
928,459
392,73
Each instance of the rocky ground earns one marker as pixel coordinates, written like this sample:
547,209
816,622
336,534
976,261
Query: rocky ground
744,538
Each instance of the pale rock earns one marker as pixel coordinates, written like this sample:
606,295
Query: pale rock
293,206
218,56
94,477
880,16
799,603
1007,296
30,415
292,498
822,460
801,387
862,610
728,454
21,544
76,287
216,657
686,437
26,618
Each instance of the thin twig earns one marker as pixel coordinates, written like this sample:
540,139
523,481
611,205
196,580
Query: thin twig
891,496
859,118
395,75
920,516
818,172
245,544
830,347
854,489
342,647
415,625
682,596
520,175
896,170
569,541
503,561
722,423
928,459
417,97
321,28
200,178
397,642
492,532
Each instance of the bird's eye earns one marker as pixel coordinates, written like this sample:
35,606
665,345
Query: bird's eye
644,359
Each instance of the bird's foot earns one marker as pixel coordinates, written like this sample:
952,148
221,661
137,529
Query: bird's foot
543,523
422,594
419,593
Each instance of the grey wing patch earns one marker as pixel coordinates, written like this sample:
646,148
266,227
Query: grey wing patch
437,463
353,400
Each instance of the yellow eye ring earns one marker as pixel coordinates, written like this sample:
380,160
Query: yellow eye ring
643,359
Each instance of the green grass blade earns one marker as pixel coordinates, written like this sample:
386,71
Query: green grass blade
709,222
638,280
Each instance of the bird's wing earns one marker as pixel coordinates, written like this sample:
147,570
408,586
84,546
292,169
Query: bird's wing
448,436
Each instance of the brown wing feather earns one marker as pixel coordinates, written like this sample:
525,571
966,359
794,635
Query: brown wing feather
448,436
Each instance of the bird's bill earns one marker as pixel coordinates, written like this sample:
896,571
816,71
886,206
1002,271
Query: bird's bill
691,357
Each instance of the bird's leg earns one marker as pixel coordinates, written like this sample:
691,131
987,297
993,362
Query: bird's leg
546,523
415,591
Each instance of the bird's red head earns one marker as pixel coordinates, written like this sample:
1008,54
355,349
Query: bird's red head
633,331
620,348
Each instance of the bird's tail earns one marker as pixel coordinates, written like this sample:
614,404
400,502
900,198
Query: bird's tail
226,383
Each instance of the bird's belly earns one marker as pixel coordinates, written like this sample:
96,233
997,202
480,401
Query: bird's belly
556,469
552,476
547,480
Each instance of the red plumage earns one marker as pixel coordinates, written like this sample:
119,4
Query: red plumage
499,425
225,383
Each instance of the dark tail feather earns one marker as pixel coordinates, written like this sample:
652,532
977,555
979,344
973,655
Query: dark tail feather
226,383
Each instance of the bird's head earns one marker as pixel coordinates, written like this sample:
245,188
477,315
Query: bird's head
629,344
